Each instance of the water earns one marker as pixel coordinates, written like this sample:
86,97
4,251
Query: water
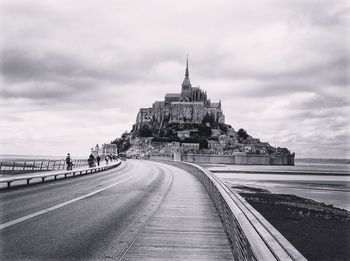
327,183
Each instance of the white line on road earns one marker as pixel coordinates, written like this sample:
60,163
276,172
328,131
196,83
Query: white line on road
43,211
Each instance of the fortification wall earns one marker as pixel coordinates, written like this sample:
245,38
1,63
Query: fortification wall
239,159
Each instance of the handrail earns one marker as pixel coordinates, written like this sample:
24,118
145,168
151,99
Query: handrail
251,236
55,174
27,166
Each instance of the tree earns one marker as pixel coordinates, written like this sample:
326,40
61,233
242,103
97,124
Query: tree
145,131
208,118
242,134
203,144
223,127
204,131
123,143
117,141
124,135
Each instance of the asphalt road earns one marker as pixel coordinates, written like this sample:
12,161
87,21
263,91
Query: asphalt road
87,217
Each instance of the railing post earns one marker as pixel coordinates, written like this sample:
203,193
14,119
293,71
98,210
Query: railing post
48,164
13,166
41,166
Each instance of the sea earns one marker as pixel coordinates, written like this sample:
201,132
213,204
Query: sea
322,180
20,158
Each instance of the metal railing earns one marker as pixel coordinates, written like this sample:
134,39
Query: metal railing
55,174
21,167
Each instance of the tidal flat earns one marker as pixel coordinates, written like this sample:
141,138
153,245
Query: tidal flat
319,231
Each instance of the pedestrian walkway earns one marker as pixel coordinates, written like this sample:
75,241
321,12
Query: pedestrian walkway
186,227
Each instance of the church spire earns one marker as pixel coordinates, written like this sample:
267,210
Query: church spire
186,84
187,71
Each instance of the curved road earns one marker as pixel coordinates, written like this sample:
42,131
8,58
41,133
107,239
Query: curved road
98,216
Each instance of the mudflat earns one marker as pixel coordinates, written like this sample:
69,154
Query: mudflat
319,231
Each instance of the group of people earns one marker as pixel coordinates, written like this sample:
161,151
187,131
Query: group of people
91,161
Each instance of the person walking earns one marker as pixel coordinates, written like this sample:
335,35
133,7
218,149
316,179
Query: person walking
98,160
69,162
106,158
91,161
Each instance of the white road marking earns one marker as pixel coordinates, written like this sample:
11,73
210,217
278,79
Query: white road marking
43,211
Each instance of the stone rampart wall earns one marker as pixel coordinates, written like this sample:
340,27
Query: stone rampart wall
239,159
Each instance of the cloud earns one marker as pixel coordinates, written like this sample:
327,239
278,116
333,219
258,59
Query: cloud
75,73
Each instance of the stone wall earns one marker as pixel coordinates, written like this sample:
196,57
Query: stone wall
239,159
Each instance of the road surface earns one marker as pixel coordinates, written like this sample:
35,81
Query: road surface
138,211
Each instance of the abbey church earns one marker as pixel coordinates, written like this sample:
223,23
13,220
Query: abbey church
189,106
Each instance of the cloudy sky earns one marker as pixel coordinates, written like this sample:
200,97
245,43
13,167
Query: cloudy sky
75,73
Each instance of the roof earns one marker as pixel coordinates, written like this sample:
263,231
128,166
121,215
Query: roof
214,104
168,95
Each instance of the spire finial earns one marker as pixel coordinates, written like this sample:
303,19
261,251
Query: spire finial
187,71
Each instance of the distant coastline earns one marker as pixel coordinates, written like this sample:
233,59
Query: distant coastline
12,157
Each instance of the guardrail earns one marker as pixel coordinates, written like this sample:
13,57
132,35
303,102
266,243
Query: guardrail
251,236
20,167
56,174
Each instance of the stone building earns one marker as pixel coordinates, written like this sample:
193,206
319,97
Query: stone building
191,105
104,150
144,115
109,149
95,151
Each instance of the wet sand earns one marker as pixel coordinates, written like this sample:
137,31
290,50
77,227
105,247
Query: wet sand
332,186
317,230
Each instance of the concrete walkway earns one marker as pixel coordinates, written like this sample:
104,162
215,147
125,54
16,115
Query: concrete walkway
186,227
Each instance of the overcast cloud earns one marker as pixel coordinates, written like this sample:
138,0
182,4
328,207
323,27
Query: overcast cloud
75,73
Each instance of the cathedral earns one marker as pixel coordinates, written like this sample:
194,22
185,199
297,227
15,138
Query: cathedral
189,106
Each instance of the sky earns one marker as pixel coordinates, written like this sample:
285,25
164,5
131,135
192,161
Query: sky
75,73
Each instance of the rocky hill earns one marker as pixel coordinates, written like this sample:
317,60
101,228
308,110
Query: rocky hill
191,123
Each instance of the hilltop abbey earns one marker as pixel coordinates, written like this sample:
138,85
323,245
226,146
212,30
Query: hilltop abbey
189,106
187,126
